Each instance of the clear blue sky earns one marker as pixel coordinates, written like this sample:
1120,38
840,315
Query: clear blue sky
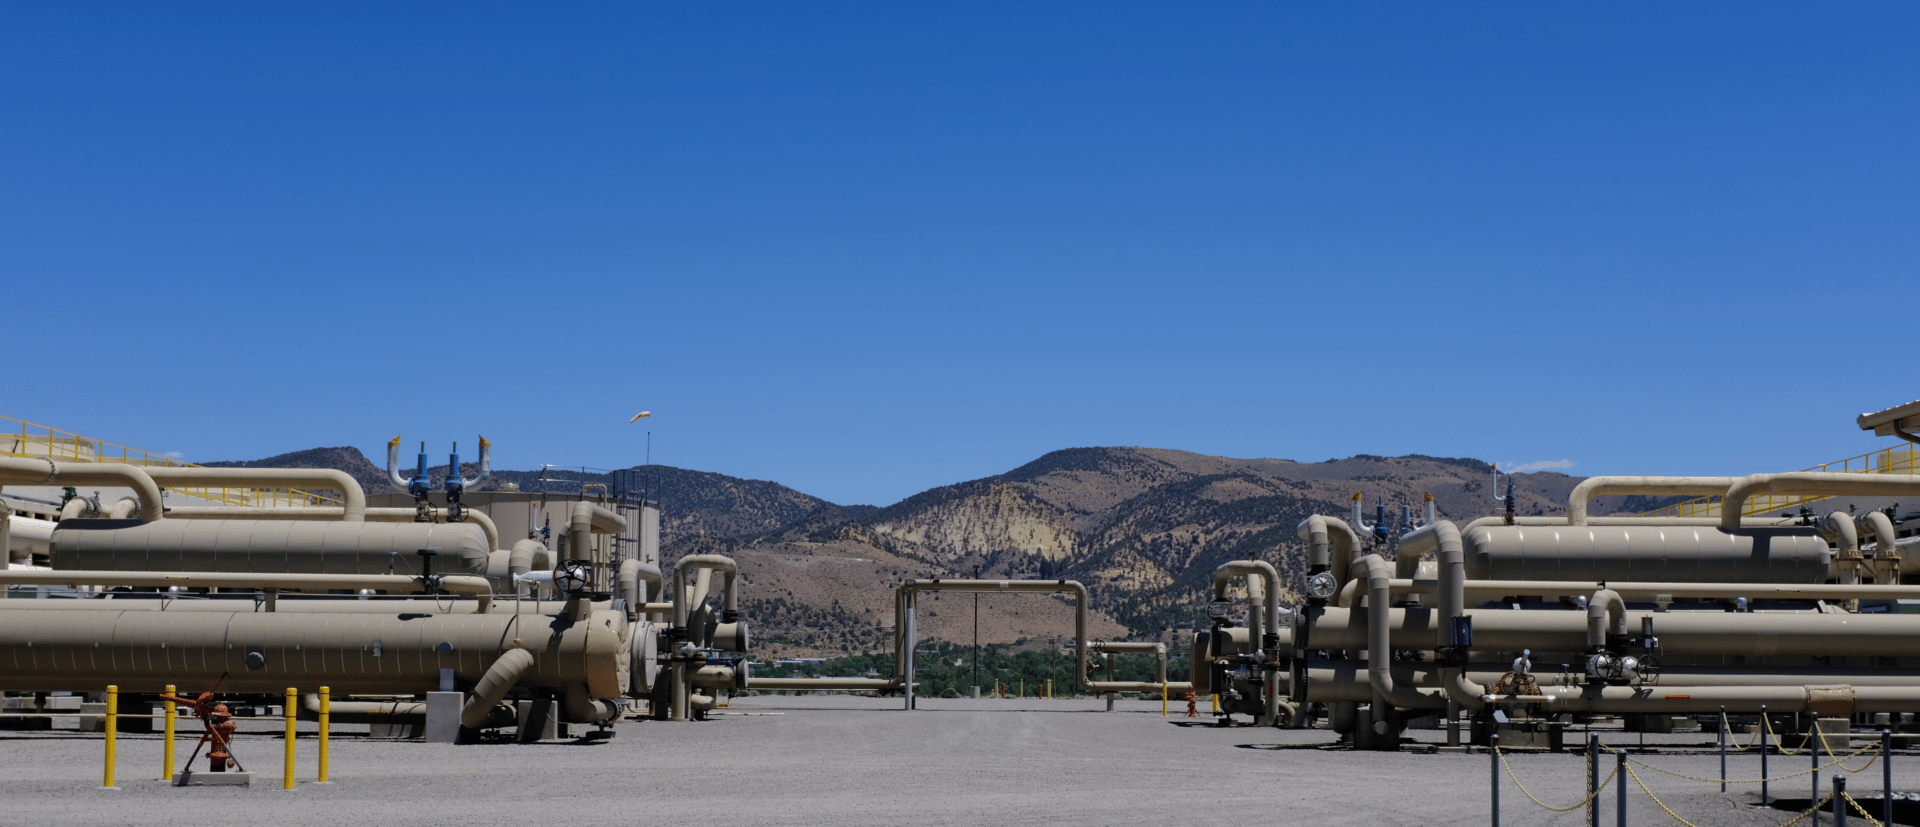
866,249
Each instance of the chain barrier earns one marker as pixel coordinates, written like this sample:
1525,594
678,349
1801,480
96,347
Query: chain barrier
1861,810
1830,765
1597,789
1676,816
1727,727
1782,745
1837,759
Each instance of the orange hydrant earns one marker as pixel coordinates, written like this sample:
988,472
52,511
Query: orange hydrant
1192,711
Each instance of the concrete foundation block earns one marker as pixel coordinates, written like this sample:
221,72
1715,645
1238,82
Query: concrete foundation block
443,717
537,721
214,779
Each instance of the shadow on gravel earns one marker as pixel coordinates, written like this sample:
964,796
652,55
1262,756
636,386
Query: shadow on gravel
1282,747
1906,806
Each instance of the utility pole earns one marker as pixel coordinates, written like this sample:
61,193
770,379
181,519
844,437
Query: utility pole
976,633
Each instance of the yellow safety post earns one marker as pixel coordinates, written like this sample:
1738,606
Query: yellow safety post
1049,689
1216,702
326,710
293,703
113,732
1163,699
166,752
1023,688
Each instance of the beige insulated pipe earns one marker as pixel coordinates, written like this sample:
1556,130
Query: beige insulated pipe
1452,600
507,670
680,705
1839,529
1602,486
586,520
1809,482
635,576
354,653
465,585
371,515
19,471
1680,633
1884,538
1264,636
1483,589
353,496
1606,614
1386,691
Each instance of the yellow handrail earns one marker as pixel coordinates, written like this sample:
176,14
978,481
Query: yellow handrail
1895,460
44,442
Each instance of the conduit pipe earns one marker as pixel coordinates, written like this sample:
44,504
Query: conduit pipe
1481,589
635,577
1387,692
1266,638
1606,614
126,509
583,708
1592,487
1839,528
353,497
1346,546
507,670
1884,538
21,471
353,712
1692,633
1339,680
679,704
1734,501
1452,599
1313,530
586,520
465,585
373,515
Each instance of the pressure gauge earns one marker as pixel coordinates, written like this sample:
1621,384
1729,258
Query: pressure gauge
1322,586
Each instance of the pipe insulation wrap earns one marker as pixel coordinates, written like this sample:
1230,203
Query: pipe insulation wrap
1647,553
354,653
262,546
507,670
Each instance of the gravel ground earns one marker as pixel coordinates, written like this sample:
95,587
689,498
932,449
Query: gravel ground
856,761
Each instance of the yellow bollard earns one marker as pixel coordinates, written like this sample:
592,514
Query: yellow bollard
293,703
326,710
1049,689
1216,703
166,752
1163,699
113,732
1023,689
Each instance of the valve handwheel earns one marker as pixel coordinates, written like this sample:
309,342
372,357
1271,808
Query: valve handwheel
572,577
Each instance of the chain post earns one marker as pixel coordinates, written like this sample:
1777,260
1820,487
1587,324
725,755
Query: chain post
1886,776
1839,800
1766,743
1593,780
1620,780
1493,757
1723,748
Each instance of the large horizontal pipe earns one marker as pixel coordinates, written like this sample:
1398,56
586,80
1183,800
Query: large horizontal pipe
466,585
372,515
240,602
323,547
1702,633
1810,482
1600,486
1796,554
797,684
352,653
353,498
1721,591
1332,681
21,471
